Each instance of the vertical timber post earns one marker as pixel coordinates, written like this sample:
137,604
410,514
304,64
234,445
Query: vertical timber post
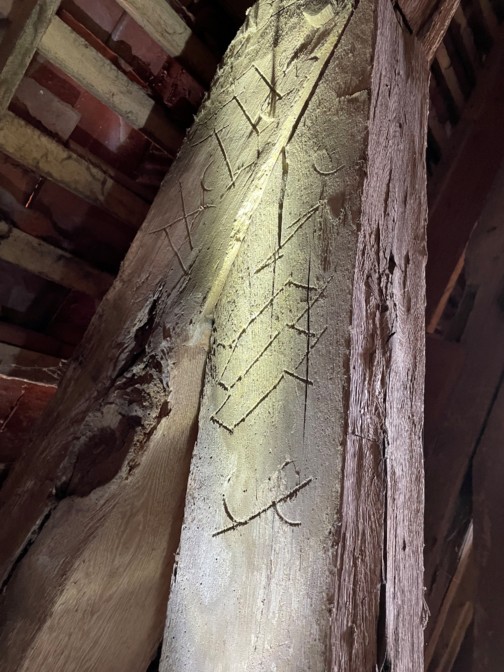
288,242
303,536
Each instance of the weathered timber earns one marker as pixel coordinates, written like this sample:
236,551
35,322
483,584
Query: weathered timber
50,263
166,28
271,573
70,52
45,156
458,433
433,30
488,477
415,14
458,191
125,413
27,365
28,22
385,415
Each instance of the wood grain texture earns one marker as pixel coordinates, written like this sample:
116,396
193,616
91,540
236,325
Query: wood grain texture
416,13
379,558
50,263
48,158
254,576
115,443
434,29
254,587
72,54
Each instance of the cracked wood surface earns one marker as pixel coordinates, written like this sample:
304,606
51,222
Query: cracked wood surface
94,509
383,474
254,586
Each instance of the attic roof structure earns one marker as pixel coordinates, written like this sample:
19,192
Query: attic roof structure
96,97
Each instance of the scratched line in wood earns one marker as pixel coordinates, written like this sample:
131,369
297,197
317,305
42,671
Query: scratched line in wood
312,338
272,505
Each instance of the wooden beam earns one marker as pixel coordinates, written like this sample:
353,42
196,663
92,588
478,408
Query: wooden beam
116,444
460,625
450,77
167,29
48,158
49,262
488,479
464,660
445,297
238,558
72,54
464,178
458,433
29,21
451,622
13,334
419,14
434,28
28,365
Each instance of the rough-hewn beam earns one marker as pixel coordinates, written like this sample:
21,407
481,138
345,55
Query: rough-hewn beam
309,174
420,15
136,382
28,23
253,562
433,30
45,156
70,52
50,263
166,28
